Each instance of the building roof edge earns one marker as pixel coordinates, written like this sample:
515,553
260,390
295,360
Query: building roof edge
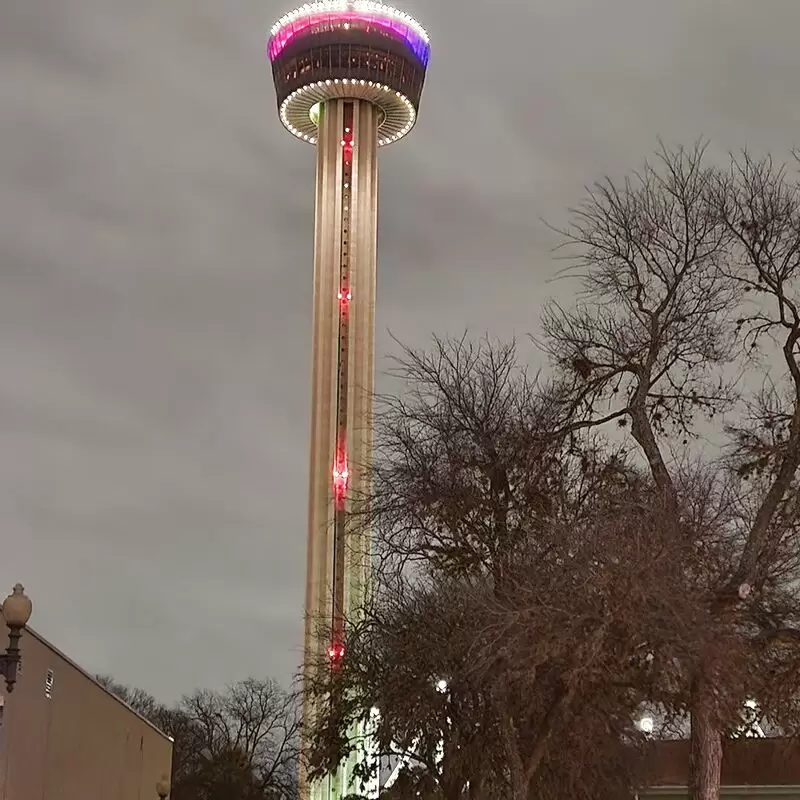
94,680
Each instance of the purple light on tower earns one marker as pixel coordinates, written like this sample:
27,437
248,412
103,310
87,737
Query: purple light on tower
335,15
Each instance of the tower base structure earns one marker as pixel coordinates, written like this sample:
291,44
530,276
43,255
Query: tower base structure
342,387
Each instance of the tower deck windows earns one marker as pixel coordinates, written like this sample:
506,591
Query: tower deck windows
351,61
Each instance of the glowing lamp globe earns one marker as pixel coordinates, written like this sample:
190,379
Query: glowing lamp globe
163,787
17,608
359,49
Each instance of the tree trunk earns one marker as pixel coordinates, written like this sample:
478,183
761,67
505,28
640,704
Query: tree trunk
705,767
519,786
477,787
516,768
452,787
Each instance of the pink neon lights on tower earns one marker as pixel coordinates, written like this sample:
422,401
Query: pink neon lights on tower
332,15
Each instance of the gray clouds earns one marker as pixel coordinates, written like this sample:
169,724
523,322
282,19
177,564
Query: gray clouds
155,234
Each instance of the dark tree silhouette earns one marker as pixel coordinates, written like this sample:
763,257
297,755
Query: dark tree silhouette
690,312
245,736
526,590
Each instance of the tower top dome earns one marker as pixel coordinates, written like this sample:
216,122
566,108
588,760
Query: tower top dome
359,49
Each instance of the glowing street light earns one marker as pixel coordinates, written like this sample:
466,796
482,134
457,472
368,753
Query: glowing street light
16,610
163,787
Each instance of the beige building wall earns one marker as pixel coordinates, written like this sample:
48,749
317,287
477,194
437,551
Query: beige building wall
64,737
727,793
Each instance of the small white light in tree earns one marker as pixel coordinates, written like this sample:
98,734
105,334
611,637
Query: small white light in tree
646,724
744,591
441,686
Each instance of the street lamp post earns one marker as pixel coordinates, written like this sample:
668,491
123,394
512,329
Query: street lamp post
163,787
17,608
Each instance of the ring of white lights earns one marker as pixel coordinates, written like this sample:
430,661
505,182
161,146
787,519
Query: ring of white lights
399,114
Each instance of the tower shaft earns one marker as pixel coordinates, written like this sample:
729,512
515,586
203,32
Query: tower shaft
342,384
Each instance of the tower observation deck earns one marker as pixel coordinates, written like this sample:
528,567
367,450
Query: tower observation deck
349,76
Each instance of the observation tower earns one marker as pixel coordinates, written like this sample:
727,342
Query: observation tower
348,76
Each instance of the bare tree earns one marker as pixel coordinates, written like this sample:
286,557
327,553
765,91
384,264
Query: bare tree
404,682
258,720
518,598
467,468
245,736
681,265
172,721
590,629
141,701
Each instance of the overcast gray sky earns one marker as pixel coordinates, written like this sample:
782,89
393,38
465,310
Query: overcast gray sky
155,275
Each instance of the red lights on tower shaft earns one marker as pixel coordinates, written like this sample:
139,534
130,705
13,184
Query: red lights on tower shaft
341,477
345,296
336,652
336,655
341,474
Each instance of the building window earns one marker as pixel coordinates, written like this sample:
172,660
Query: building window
49,680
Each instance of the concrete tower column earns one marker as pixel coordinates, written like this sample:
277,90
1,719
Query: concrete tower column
342,381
